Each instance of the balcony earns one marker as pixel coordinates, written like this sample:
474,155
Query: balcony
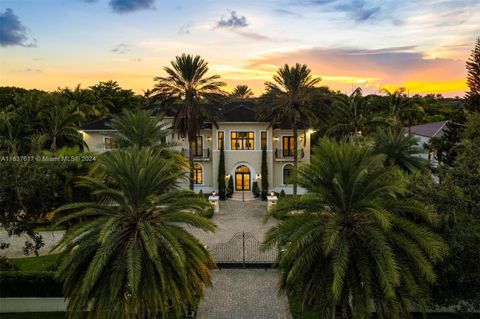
199,155
286,155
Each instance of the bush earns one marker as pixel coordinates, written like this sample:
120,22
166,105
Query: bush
200,193
255,189
207,213
230,187
282,194
5,264
29,284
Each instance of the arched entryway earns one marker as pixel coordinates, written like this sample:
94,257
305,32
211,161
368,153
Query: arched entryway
242,178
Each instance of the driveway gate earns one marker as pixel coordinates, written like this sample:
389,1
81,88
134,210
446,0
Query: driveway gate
243,249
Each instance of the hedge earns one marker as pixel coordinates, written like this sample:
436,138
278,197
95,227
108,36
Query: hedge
29,284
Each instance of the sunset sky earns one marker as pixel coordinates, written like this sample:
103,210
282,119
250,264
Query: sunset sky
421,45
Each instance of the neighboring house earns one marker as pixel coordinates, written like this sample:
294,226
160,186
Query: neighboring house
424,132
242,137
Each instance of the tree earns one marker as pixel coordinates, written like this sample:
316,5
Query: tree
58,122
349,112
82,100
288,100
241,93
355,242
447,145
221,174
472,97
397,102
188,82
264,173
109,95
130,257
400,149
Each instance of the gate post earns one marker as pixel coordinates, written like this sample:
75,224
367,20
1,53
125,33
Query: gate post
243,248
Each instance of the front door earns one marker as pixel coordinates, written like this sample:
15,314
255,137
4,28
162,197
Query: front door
242,178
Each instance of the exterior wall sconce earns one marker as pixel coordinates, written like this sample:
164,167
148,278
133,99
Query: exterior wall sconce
310,131
276,139
227,175
258,176
209,138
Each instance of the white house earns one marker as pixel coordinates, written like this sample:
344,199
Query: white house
242,137
424,133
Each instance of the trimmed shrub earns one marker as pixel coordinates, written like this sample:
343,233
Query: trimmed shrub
29,284
221,175
6,265
255,189
200,193
230,187
282,194
207,213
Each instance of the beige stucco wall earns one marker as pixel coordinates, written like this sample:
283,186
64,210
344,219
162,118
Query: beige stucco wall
233,158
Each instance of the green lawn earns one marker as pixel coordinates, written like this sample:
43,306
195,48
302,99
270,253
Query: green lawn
297,313
41,263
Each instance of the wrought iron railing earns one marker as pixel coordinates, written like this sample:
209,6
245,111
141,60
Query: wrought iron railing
201,153
288,153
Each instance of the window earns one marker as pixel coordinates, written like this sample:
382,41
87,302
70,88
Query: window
243,141
287,145
264,139
109,143
197,174
198,146
287,174
221,140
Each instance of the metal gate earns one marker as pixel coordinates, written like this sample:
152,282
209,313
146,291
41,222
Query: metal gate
243,249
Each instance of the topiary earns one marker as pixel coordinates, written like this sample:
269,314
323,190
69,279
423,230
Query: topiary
230,187
282,194
255,189
200,193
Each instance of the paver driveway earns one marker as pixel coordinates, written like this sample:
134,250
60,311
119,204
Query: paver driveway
235,217
244,294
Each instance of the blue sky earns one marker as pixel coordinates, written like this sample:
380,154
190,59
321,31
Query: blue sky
419,44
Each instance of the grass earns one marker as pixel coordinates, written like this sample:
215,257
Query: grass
41,263
298,313
36,315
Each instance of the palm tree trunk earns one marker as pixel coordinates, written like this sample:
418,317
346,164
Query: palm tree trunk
295,158
190,163
54,143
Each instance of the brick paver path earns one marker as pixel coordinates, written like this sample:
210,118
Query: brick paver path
235,217
244,294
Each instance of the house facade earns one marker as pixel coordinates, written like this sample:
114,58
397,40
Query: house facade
242,138
424,133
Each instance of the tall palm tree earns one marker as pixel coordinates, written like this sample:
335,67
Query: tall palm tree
187,81
400,149
82,102
355,241
288,100
13,133
349,110
58,122
397,102
130,257
241,93
143,129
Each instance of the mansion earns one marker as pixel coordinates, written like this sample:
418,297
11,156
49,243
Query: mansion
242,137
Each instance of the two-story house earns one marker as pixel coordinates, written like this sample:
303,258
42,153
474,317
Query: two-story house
242,137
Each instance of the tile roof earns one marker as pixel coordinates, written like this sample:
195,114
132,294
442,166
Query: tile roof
429,129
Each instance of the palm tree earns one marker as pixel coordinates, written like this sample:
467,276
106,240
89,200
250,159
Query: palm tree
400,149
241,93
130,257
13,133
349,110
187,81
397,102
82,102
355,241
288,100
59,123
143,129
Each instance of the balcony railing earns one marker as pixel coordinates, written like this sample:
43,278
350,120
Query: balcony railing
198,154
287,154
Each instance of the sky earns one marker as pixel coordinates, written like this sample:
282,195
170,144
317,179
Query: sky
418,44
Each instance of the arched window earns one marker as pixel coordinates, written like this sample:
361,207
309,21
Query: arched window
197,174
287,174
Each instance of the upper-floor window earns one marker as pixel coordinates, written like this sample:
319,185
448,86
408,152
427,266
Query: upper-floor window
243,141
198,146
288,145
109,143
221,140
264,139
